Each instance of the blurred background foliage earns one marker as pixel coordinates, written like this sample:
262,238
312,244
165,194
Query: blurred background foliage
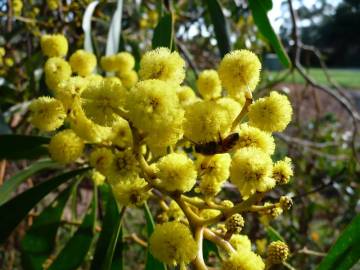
322,139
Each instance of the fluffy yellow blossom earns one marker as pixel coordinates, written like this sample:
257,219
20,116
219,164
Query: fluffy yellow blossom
65,147
124,167
214,171
239,71
17,6
253,137
98,178
278,252
186,95
243,260
240,242
272,113
282,171
209,84
56,70
101,158
176,172
131,192
120,62
102,100
54,45
128,78
251,171
46,113
154,108
173,243
162,64
52,4
121,134
82,62
69,91
86,128
207,121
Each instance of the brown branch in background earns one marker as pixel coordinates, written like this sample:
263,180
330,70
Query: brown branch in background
189,59
2,171
341,100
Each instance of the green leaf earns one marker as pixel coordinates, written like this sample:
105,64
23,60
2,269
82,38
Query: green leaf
273,234
16,209
22,146
113,39
76,249
151,262
346,250
39,241
209,247
106,244
86,25
259,10
163,32
118,259
4,128
11,184
220,26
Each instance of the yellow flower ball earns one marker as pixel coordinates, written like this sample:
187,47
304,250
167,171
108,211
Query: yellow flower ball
65,147
186,95
86,128
240,242
173,243
176,172
97,178
120,62
56,70
102,100
243,260
121,134
132,192
209,84
52,4
69,91
46,113
128,78
278,252
272,113
207,121
101,158
82,62
239,71
282,171
54,45
214,171
154,108
17,6
162,64
124,167
251,171
254,137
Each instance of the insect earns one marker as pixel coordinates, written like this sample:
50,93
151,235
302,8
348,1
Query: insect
219,147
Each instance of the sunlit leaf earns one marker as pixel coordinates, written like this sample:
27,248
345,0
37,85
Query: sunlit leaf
39,241
220,26
259,9
22,146
76,249
151,262
12,183
16,209
346,250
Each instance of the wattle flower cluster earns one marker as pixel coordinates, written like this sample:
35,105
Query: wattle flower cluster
146,131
